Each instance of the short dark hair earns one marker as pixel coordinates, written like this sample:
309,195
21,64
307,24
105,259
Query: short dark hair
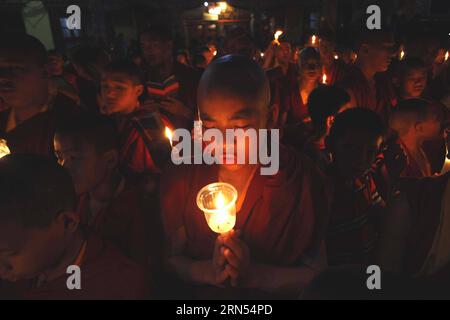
323,102
158,32
89,128
24,45
356,120
126,68
307,53
34,189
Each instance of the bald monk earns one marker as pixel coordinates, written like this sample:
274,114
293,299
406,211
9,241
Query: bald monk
31,111
40,237
275,248
366,82
416,121
415,238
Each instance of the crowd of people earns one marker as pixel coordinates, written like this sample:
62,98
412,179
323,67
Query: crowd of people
89,181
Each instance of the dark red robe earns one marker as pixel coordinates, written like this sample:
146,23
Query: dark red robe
35,135
282,218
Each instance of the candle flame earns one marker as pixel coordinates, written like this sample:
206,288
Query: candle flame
4,150
169,135
402,54
277,34
313,39
336,57
446,56
324,79
219,201
214,52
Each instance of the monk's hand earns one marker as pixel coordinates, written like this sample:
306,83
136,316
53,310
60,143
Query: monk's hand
237,255
220,273
176,107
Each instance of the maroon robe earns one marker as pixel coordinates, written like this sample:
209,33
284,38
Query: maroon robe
105,274
282,218
35,135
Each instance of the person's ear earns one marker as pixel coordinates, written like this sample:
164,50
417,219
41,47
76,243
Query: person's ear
139,90
111,159
69,220
418,126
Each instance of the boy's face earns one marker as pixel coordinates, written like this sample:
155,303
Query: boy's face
22,81
56,64
311,69
379,54
414,83
283,52
155,51
119,94
87,167
354,153
223,111
26,252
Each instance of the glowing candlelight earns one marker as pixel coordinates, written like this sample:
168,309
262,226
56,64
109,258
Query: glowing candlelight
169,135
262,54
313,39
324,79
4,150
402,54
336,57
214,52
218,203
446,56
276,35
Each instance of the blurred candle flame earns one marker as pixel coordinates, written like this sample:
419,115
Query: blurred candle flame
324,79
169,135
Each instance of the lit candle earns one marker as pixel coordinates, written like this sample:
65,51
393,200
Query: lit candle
262,54
336,57
169,135
218,203
313,39
4,150
324,79
446,56
276,35
402,54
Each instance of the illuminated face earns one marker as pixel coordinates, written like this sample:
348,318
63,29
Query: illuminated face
223,111
119,94
311,69
85,165
22,83
25,252
414,83
354,153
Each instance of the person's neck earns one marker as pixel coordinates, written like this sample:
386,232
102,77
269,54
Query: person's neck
239,177
366,69
307,85
412,143
25,113
68,257
106,190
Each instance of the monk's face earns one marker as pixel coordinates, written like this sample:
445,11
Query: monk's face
414,83
311,69
26,252
283,53
23,83
87,167
379,54
354,153
155,51
223,111
119,94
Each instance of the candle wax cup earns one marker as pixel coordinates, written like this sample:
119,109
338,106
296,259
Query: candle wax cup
218,203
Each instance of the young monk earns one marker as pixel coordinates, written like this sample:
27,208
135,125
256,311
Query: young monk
411,78
354,141
416,121
278,232
366,82
143,149
28,123
109,205
40,238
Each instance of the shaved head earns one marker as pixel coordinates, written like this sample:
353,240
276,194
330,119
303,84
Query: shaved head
235,76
